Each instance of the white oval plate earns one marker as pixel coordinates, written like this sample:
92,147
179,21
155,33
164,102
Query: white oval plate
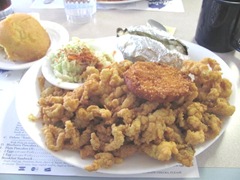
117,2
27,103
58,35
98,45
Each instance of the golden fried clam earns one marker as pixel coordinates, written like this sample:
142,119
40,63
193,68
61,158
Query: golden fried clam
104,119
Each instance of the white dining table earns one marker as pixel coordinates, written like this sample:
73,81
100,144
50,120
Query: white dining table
222,159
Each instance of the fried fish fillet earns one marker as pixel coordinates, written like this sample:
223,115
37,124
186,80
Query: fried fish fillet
156,82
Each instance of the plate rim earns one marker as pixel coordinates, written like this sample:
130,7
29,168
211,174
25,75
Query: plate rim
115,170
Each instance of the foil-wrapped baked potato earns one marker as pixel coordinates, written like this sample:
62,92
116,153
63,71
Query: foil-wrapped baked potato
144,43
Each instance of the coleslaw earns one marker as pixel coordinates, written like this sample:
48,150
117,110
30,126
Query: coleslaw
69,62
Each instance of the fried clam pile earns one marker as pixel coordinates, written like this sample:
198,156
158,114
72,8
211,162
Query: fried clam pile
105,120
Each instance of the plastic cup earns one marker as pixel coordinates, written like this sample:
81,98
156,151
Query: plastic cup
80,11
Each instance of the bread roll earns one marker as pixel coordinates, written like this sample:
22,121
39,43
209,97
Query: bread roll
23,38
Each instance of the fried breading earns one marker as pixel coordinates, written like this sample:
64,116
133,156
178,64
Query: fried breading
156,82
104,120
162,152
105,160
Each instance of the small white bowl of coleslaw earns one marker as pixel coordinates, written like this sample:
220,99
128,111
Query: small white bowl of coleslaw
65,66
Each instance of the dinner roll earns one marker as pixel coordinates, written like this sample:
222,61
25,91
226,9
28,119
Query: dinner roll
23,38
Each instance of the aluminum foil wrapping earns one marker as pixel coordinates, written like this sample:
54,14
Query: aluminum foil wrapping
143,43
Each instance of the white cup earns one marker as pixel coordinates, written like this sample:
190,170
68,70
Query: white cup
80,11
